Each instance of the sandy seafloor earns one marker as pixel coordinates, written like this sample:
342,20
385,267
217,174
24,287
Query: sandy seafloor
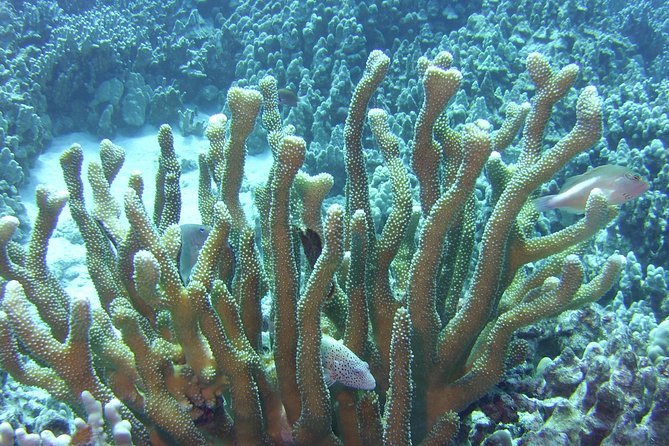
66,254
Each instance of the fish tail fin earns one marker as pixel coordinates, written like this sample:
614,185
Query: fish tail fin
544,203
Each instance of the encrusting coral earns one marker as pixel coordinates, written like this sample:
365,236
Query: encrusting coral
189,365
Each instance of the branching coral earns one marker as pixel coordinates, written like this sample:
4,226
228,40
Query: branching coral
189,365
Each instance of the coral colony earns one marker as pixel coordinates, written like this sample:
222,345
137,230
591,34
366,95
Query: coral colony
187,362
460,237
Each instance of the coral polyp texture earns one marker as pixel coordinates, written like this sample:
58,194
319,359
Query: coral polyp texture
419,301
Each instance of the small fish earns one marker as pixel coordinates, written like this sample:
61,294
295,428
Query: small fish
114,242
341,365
313,246
287,97
193,237
619,185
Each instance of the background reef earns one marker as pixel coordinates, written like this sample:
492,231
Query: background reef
112,67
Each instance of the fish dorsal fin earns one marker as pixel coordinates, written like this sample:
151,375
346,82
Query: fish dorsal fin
606,169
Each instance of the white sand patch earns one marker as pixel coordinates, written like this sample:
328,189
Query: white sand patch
66,254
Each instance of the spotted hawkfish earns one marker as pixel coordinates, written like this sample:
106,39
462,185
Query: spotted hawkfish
341,365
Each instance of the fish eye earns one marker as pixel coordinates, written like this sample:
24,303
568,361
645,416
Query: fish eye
201,230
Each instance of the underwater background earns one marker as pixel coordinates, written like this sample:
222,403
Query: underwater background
82,71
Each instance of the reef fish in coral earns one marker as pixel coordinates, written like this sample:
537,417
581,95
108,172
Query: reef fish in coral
341,365
287,97
313,245
619,185
193,237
